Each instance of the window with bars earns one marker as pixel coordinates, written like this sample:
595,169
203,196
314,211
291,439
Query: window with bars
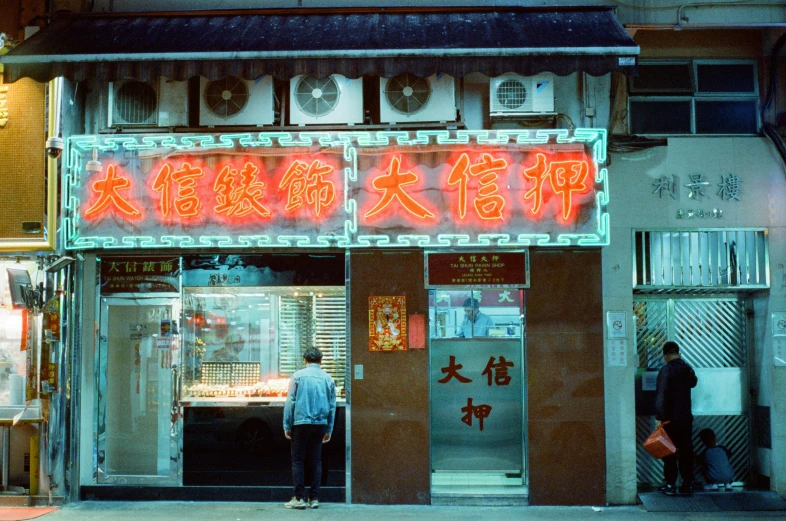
711,258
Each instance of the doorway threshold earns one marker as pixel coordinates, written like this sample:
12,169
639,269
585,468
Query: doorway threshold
478,489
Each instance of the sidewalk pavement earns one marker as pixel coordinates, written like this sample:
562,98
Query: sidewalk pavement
198,511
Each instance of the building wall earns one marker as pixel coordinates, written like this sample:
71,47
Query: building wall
564,349
633,205
390,439
22,159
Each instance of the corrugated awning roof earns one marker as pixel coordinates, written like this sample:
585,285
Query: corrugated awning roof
352,42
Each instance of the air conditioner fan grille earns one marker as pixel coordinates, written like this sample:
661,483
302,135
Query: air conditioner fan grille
316,97
407,93
227,96
512,94
135,102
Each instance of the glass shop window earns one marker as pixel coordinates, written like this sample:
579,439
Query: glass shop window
19,331
246,342
474,314
694,97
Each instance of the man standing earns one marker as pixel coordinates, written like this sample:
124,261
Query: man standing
475,323
309,413
673,405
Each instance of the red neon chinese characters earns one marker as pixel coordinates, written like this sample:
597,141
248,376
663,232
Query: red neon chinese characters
301,178
240,201
565,178
488,204
108,190
187,203
392,184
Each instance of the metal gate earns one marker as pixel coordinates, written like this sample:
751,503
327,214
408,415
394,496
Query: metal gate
712,335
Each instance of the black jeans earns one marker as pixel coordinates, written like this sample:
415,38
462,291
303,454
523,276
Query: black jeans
680,434
307,446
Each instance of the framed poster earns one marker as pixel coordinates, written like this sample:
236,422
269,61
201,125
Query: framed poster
387,323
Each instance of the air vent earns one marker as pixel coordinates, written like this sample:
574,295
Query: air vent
513,94
407,93
410,98
316,97
236,101
334,99
226,97
136,103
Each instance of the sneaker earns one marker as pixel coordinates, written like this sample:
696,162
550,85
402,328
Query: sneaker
668,490
313,503
729,486
295,503
711,486
686,489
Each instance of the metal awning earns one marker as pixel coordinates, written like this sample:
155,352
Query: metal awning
320,42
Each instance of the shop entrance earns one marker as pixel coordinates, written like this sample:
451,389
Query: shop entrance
713,338
136,405
477,392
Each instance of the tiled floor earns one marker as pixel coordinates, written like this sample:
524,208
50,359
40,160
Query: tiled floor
476,483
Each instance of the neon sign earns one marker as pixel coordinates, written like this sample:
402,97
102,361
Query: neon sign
429,188
392,187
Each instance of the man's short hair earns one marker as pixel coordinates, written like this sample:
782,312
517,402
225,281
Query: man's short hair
313,355
671,348
707,436
471,303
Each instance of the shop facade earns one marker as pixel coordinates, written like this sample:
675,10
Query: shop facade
365,245
211,247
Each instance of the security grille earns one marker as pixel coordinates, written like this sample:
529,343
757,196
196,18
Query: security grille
296,332
313,320
701,259
331,334
732,432
712,334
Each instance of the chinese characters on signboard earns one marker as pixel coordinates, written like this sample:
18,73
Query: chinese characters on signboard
728,189
478,269
476,403
342,190
140,275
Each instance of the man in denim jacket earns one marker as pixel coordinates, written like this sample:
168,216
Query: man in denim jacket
309,414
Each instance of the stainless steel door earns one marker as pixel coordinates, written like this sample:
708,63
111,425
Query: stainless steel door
136,431
476,405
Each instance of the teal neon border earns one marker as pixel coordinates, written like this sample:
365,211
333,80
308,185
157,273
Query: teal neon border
79,150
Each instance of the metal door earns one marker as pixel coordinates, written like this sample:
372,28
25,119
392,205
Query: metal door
713,339
136,431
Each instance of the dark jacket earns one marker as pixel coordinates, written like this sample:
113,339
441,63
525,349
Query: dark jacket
675,380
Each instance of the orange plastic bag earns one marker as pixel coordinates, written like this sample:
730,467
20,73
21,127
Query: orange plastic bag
659,444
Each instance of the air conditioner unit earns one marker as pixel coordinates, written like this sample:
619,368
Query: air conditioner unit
235,101
331,100
512,94
407,97
159,103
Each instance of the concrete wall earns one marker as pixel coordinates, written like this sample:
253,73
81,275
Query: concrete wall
633,205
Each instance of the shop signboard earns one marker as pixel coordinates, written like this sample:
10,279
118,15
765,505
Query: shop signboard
435,189
140,275
477,269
